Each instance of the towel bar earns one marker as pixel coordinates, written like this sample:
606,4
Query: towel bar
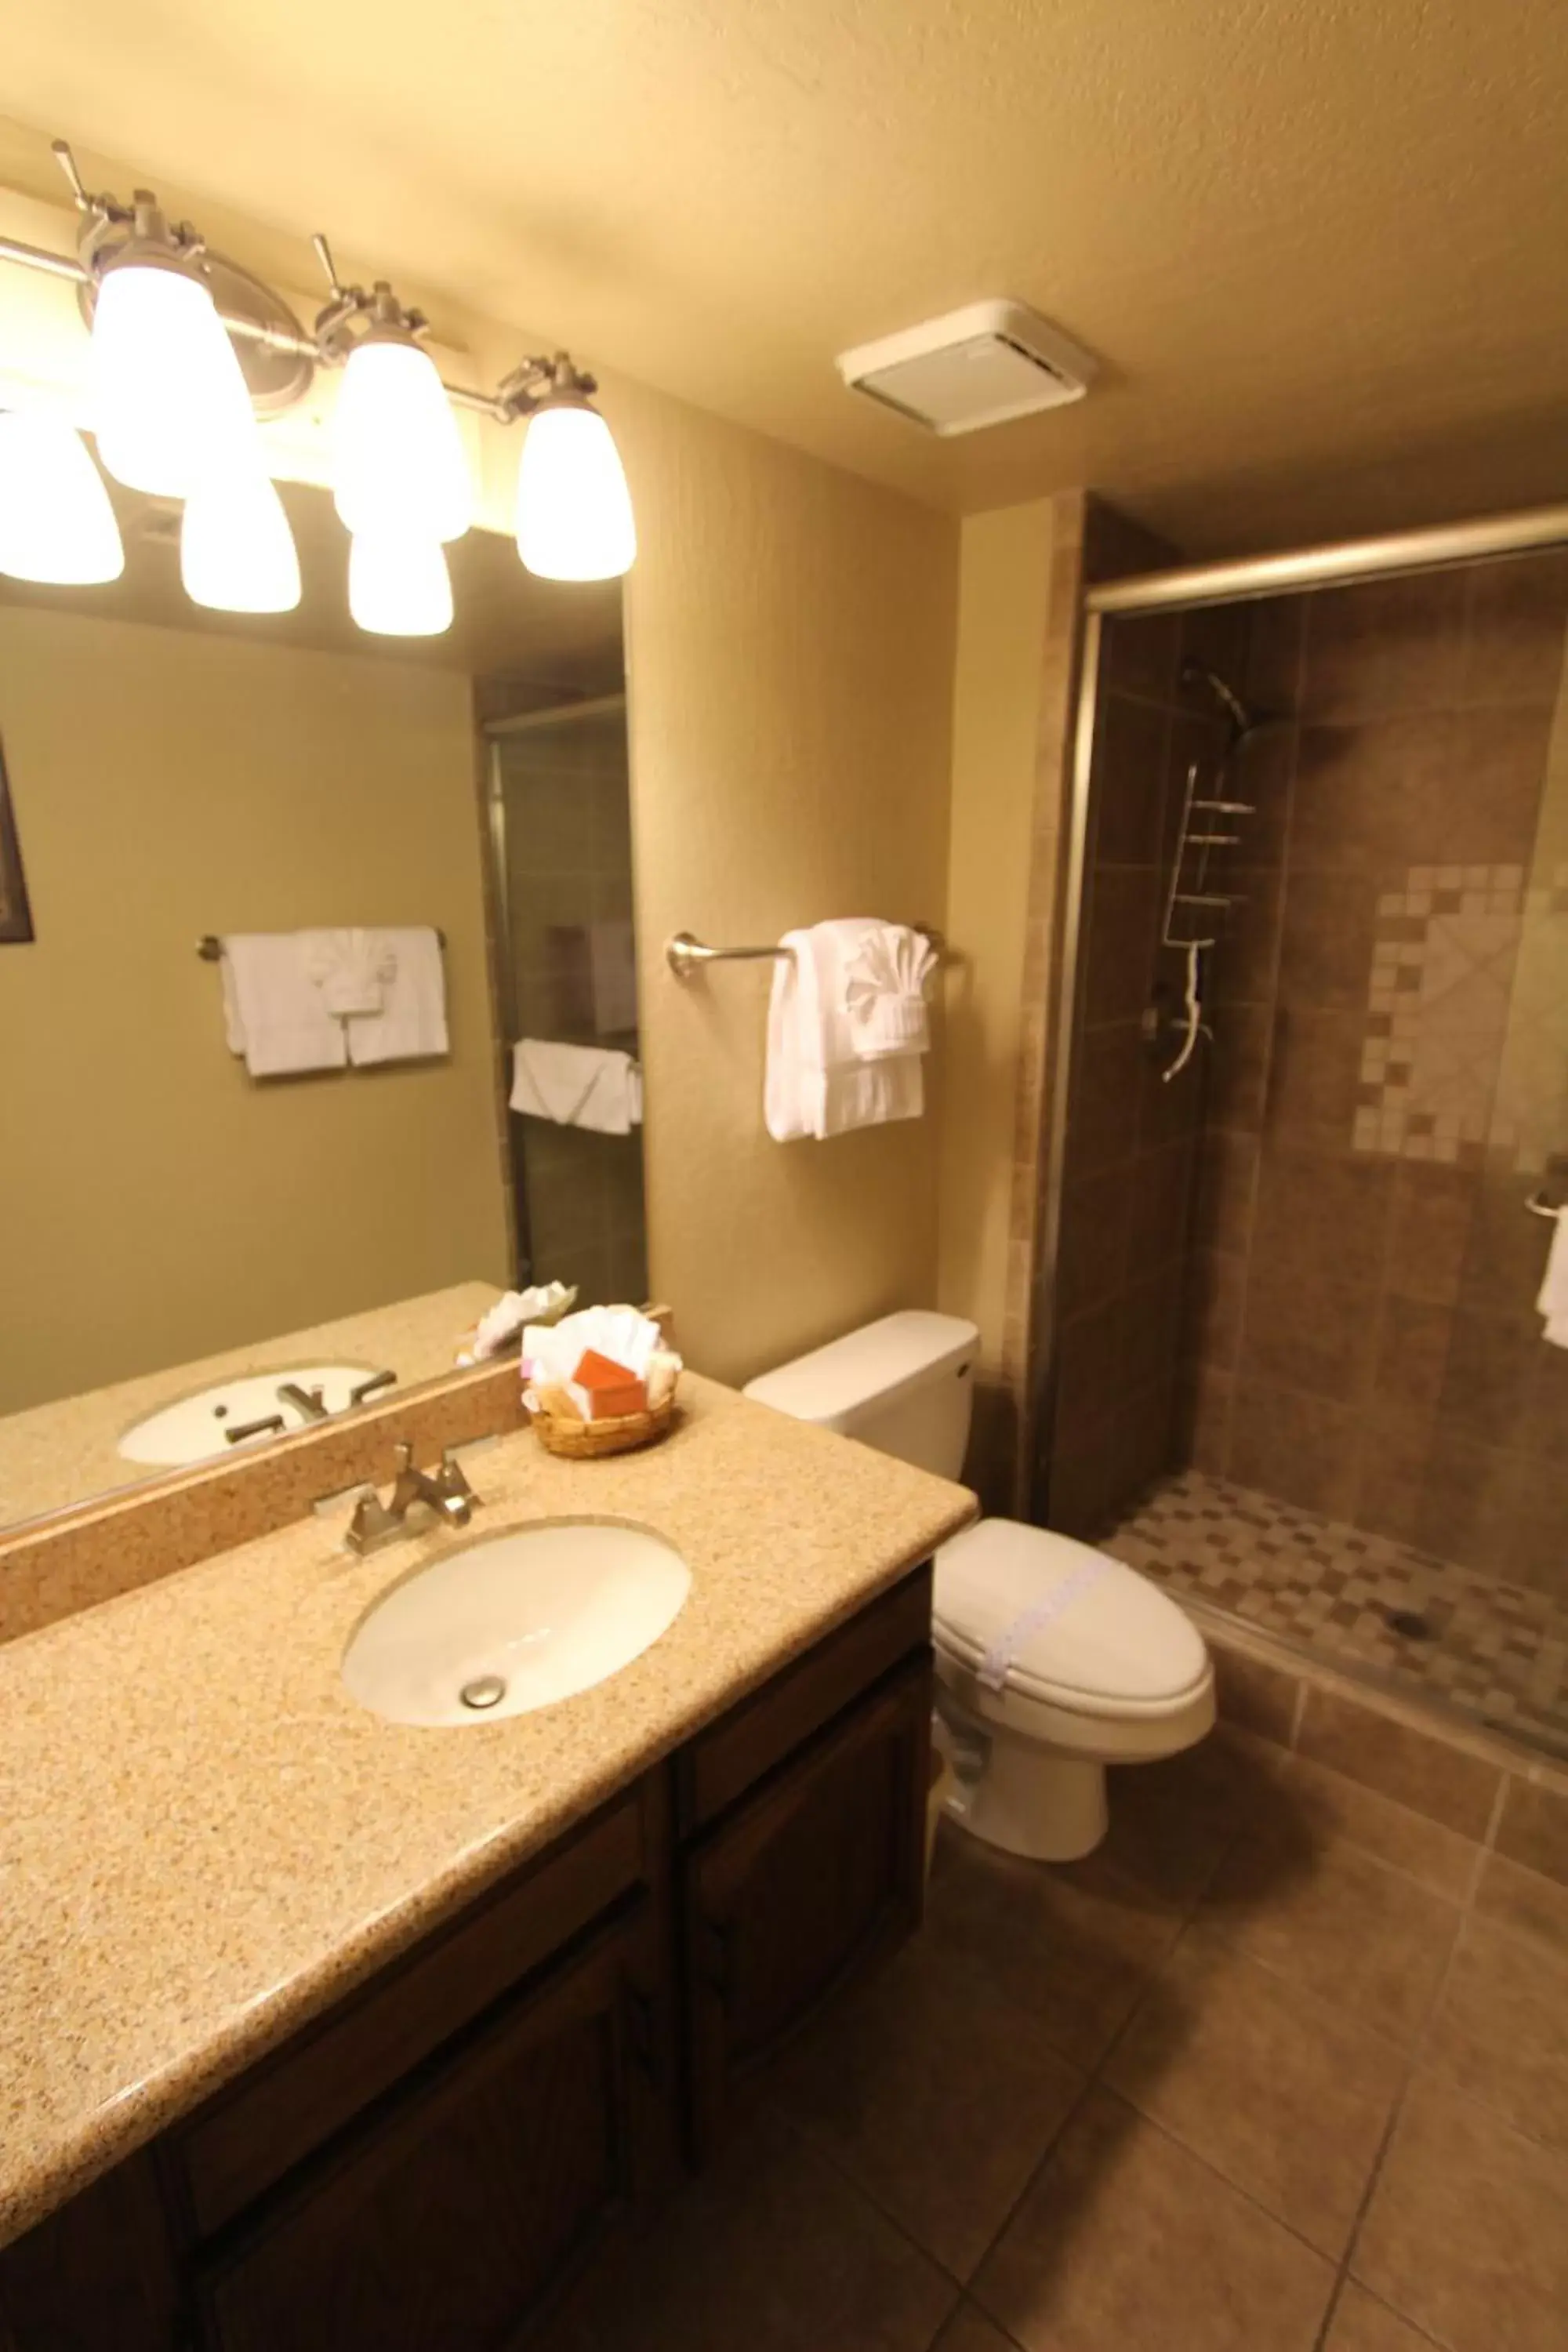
209,947
1540,1206
686,956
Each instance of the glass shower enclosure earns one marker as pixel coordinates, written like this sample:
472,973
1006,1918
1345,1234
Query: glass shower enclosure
1306,1171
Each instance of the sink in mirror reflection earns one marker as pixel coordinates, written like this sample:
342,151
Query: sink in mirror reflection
176,1225
245,1411
515,1622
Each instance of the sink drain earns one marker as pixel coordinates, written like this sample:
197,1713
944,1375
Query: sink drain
485,1690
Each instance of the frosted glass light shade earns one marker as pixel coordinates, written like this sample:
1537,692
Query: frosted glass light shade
399,587
573,509
169,402
398,461
56,523
236,551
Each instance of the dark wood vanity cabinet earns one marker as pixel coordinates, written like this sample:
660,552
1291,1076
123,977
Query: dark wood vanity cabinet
459,2212
428,2164
805,1886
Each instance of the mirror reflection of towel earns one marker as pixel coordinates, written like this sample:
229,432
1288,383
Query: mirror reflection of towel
576,1086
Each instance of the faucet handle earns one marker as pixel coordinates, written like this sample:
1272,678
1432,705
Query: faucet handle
402,1456
451,1477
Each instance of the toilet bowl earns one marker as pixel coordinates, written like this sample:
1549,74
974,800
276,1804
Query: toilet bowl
1053,1660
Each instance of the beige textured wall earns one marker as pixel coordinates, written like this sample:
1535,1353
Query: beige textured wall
790,647
165,1205
1003,581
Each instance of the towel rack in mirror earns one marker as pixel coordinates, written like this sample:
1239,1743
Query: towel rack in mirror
209,947
686,956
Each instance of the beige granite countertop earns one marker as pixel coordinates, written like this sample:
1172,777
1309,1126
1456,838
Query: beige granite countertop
69,1450
205,1841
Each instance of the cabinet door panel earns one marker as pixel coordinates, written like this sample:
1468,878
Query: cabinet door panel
807,1883
250,2135
447,2222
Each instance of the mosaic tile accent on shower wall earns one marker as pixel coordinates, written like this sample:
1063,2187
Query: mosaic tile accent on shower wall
1493,1649
1447,1019
1437,1011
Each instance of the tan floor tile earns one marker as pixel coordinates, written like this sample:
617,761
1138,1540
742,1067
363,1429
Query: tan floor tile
1502,2028
938,2104
969,2330
1286,2096
1362,2324
1171,1822
1512,1896
1534,1828
1334,1919
1075,1956
1466,2234
771,2252
1127,2243
1327,1805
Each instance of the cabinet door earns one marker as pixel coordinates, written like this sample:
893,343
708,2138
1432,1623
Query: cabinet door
450,2218
810,1881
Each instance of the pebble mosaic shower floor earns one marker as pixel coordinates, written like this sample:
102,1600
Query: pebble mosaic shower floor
1493,1651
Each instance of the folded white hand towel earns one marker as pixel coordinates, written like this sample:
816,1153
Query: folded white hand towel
576,1086
1553,1301
412,1023
816,1083
351,969
884,991
274,1016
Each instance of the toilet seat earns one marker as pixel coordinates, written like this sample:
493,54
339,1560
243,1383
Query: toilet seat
1116,1670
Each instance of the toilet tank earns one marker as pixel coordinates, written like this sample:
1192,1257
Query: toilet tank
904,1384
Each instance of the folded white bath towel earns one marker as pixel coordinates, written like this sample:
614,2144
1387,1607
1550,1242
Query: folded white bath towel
274,1014
884,991
1553,1301
818,1083
351,969
576,1086
412,1023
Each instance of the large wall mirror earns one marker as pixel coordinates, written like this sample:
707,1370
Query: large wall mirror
184,1239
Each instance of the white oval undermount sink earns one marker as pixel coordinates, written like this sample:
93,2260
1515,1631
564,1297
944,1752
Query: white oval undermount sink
515,1620
196,1427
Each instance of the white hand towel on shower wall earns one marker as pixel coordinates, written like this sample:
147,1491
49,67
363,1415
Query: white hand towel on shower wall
1553,1300
817,1083
412,1023
274,1014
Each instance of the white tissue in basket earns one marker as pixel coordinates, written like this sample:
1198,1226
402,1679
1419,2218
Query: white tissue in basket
552,1353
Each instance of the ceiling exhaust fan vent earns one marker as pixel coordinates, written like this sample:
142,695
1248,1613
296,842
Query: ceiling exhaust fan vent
981,366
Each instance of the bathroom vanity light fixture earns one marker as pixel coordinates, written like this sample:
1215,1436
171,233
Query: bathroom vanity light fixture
399,587
236,551
573,509
398,463
189,349
57,525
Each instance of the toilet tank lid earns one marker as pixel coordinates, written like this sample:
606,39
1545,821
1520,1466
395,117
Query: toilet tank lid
871,1365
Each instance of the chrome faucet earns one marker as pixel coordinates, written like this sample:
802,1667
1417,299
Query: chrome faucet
445,1490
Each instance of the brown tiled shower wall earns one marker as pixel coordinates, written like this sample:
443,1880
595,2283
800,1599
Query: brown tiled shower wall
1357,1333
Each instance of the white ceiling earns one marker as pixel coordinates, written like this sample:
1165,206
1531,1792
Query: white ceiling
1317,245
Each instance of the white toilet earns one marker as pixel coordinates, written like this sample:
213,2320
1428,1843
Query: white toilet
1053,1660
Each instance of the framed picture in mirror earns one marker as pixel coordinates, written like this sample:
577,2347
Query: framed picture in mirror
15,914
